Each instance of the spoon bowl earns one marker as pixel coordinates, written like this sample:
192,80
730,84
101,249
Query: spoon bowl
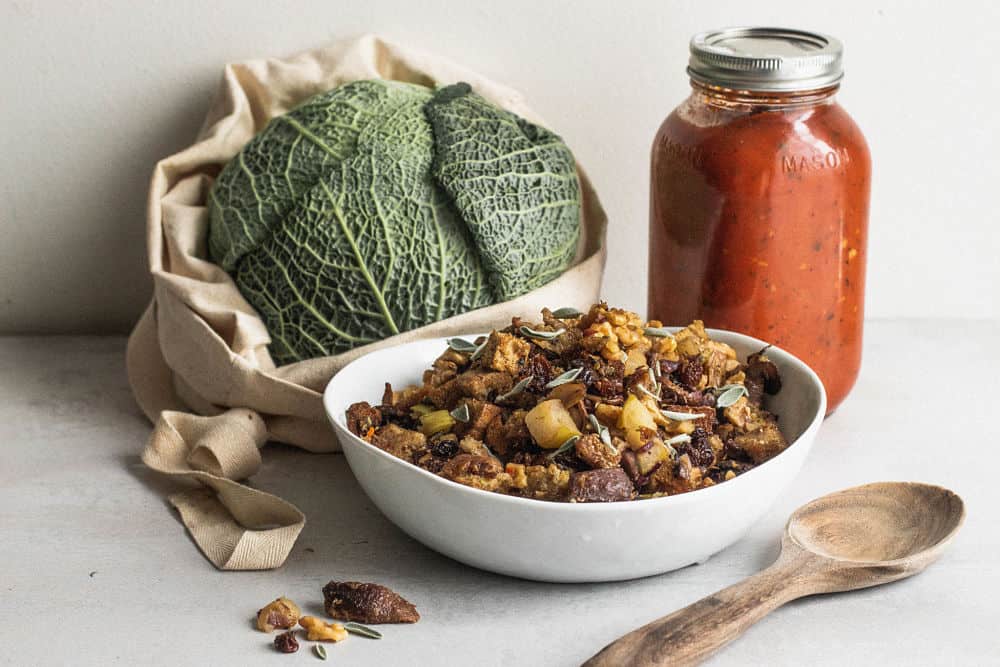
855,538
886,523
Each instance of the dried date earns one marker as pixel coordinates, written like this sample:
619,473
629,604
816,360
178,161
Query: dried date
367,603
606,485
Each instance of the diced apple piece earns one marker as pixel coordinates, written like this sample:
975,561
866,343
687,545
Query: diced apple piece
550,424
608,414
633,419
436,422
421,409
650,456
635,360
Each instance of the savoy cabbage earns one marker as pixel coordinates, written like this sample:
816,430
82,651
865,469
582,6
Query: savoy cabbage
381,206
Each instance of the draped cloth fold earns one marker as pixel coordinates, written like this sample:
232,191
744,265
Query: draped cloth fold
197,359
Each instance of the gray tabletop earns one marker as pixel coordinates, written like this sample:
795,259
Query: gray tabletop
96,569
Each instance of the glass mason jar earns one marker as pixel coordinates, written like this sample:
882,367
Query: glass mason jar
759,196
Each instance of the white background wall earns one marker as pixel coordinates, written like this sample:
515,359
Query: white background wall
93,93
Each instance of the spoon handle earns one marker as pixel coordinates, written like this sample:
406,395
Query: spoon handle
688,636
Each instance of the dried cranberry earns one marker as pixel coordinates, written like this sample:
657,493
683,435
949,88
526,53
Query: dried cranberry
718,474
690,372
674,393
668,366
698,449
570,460
286,642
444,448
541,372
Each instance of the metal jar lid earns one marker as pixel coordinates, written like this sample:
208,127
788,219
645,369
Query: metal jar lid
766,59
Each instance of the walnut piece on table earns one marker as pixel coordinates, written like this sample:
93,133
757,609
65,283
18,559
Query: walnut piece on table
318,630
367,603
282,613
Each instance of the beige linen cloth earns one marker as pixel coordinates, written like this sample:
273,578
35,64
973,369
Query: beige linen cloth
198,360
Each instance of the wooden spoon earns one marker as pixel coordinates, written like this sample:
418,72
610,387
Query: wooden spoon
855,538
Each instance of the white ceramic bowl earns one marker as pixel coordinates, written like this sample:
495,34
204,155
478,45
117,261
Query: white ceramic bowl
567,542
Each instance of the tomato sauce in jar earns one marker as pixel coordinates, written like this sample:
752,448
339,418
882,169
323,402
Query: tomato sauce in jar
759,200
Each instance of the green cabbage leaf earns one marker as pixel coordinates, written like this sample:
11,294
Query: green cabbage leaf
380,206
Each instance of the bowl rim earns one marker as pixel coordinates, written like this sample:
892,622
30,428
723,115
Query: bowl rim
643,503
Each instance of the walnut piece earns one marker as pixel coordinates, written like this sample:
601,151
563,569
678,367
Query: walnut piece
367,603
286,642
282,613
318,630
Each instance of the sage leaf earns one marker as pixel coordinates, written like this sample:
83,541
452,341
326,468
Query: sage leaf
568,376
657,332
541,335
566,313
320,651
646,391
516,389
461,345
461,413
565,447
595,423
602,432
729,394
362,630
676,440
606,439
681,416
